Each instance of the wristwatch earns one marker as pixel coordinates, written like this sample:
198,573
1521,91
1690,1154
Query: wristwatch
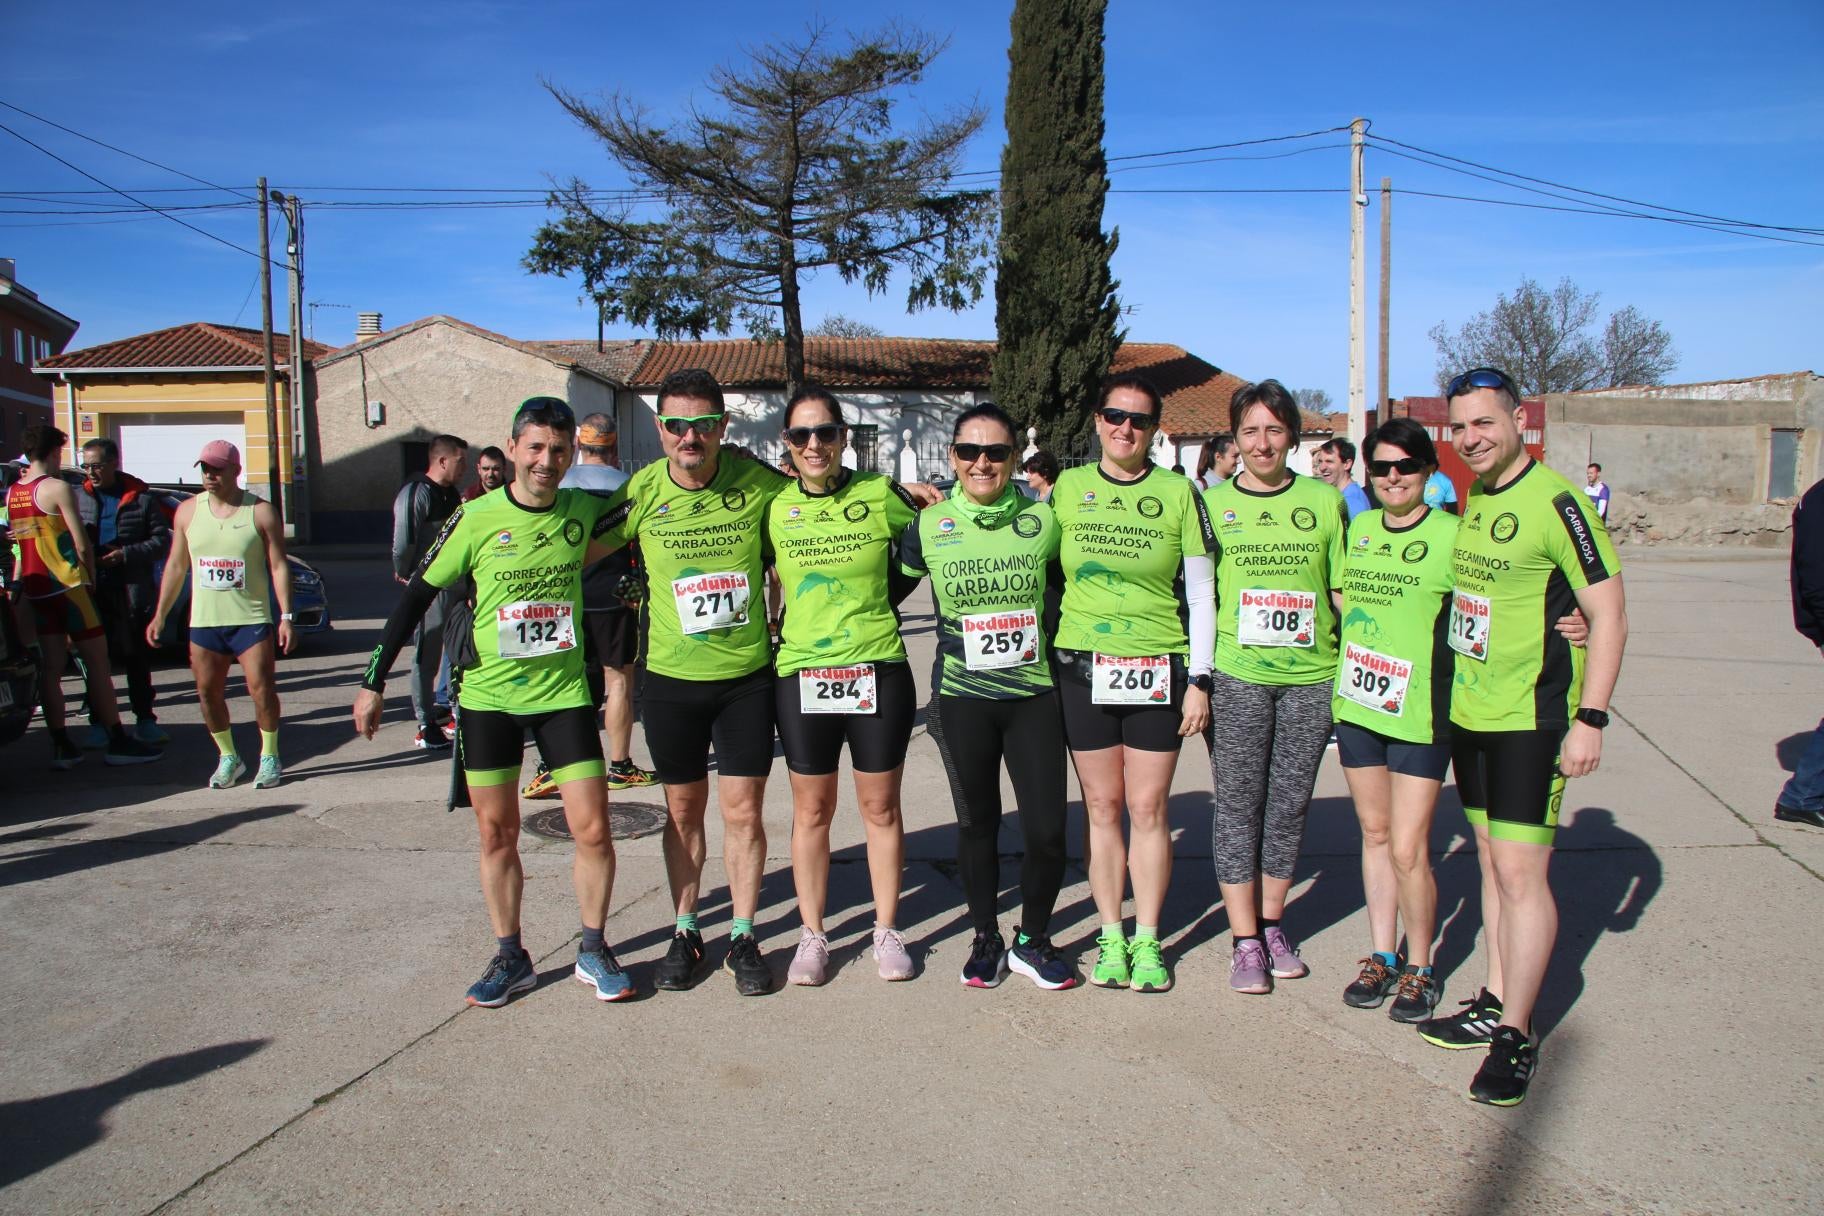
1598,718
1200,681
285,616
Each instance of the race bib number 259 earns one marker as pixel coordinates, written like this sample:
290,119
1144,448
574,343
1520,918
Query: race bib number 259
1000,639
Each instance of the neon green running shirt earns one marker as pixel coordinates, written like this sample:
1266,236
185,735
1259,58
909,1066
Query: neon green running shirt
1278,557
989,567
528,566
833,552
1123,545
1522,553
702,557
1394,677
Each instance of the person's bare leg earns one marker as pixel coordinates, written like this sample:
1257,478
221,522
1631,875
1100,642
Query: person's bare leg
743,840
211,672
1491,911
592,867
259,670
1148,782
879,798
684,843
617,711
1414,799
1372,792
1102,777
99,681
502,879
54,650
1528,925
813,809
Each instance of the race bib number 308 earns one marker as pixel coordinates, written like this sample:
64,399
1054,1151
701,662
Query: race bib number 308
1469,617
529,629
1000,639
221,574
1144,681
1373,680
837,690
711,601
1276,618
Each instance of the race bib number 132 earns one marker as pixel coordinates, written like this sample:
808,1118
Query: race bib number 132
529,629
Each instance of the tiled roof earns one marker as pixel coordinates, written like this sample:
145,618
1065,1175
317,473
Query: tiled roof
198,344
564,354
618,359
1196,392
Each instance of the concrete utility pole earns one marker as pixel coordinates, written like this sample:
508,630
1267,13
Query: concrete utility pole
272,400
1358,292
1380,396
293,207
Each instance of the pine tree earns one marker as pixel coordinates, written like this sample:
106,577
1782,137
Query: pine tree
1055,308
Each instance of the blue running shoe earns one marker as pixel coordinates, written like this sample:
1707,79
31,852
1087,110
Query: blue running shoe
600,970
503,978
147,730
1038,960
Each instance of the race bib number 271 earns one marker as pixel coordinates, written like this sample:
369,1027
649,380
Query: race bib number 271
711,601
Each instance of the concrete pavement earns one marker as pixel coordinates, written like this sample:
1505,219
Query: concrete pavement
241,1000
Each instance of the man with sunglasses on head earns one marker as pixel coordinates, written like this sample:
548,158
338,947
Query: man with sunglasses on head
699,517
1527,708
524,548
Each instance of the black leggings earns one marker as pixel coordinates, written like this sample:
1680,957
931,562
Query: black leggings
973,736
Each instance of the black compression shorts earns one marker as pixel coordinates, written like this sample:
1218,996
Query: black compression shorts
493,742
612,638
1359,747
1089,727
1509,781
684,717
877,741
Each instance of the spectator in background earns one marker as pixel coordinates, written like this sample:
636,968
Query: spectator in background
1334,462
1441,492
1597,490
491,473
1041,469
1216,464
1802,799
133,538
422,506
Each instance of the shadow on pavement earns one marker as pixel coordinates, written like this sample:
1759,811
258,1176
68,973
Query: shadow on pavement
40,1132
1789,749
75,856
1616,875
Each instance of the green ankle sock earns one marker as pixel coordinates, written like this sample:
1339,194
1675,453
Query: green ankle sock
687,923
224,741
269,743
743,926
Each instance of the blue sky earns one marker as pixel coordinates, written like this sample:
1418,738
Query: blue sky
1710,108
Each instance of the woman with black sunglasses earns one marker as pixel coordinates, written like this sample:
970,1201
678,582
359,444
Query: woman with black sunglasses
1133,648
840,670
991,554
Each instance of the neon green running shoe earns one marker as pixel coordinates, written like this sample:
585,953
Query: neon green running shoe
1111,961
1149,973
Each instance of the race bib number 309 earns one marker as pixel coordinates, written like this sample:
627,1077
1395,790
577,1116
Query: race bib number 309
993,640
529,629
837,690
1144,681
1373,680
711,601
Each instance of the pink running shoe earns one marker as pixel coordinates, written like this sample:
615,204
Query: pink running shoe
890,953
811,964
1248,969
1283,957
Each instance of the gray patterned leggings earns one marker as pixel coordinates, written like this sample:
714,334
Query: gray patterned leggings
1265,746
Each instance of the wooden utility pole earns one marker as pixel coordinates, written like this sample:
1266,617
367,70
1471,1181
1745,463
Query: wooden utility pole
1358,293
272,399
1380,395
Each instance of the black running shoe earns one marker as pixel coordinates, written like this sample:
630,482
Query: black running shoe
1512,1061
1376,982
125,749
1038,960
752,976
682,965
987,965
1416,998
1471,1028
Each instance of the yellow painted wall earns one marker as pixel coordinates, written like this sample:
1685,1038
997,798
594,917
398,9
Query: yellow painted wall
104,403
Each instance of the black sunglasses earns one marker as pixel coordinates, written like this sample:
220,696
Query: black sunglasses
827,434
678,424
1405,466
969,453
1115,417
555,406
1481,377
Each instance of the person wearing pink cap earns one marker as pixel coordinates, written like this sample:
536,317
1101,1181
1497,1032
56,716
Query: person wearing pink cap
232,549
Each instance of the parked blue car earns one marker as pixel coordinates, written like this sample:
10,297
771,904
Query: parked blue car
309,596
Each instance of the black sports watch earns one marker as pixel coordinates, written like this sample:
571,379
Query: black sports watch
1598,718
1200,681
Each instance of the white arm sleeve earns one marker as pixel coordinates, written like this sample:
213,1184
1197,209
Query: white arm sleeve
1200,596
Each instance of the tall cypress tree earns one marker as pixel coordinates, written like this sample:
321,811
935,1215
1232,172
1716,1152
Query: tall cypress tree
1055,309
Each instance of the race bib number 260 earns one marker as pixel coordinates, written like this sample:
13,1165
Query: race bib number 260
1143,681
711,601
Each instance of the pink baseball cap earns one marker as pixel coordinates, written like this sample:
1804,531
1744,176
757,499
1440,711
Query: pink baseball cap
220,454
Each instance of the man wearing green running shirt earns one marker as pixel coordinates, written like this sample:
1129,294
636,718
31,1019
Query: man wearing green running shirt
522,549
1528,709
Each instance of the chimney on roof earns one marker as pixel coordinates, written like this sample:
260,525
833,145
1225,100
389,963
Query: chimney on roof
367,324
9,269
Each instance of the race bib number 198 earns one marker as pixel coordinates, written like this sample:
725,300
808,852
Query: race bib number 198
837,690
711,601
1145,681
221,574
1469,625
528,629
1000,639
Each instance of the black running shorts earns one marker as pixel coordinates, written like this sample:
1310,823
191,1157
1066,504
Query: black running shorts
877,741
493,743
683,718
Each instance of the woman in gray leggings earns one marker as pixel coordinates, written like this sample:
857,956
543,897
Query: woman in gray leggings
1278,572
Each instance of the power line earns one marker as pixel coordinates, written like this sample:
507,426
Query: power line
192,227
136,156
1610,212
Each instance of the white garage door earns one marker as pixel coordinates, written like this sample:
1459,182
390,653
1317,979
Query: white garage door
165,452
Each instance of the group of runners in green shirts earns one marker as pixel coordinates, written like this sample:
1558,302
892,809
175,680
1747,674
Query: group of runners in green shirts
1106,625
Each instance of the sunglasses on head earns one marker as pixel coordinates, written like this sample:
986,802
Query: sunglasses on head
549,406
678,424
1481,377
1406,466
969,453
827,434
1115,417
